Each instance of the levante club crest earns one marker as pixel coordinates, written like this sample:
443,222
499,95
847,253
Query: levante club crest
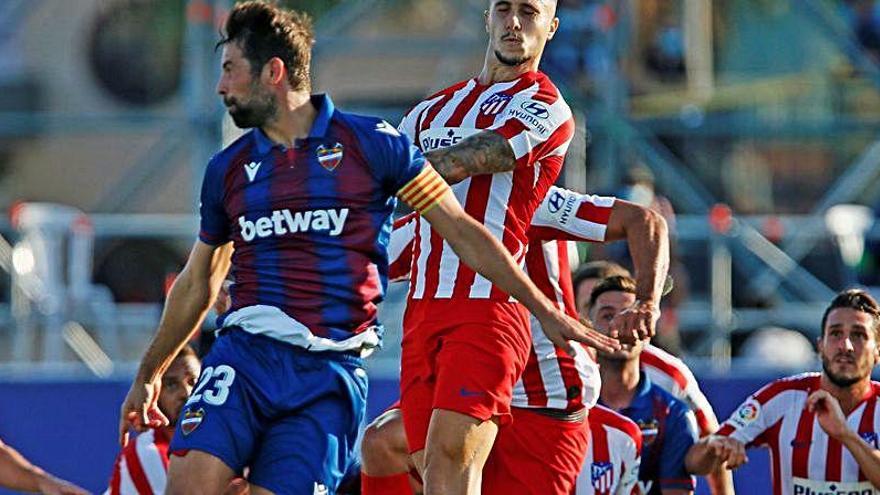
330,158
191,420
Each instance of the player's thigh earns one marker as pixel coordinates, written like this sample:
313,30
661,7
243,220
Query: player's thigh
310,449
197,473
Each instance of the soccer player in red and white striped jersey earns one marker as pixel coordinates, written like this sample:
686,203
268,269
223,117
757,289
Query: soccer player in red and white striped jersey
141,466
613,458
554,384
822,429
500,138
667,371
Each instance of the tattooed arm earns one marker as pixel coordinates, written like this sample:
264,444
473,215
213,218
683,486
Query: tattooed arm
484,153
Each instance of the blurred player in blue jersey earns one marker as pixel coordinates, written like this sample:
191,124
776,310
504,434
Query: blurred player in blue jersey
301,208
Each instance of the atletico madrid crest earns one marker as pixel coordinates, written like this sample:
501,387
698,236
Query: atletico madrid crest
191,420
329,158
495,104
602,476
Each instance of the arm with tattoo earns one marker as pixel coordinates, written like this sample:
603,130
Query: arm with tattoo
484,153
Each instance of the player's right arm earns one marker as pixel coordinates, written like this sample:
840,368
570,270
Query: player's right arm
18,474
429,195
187,304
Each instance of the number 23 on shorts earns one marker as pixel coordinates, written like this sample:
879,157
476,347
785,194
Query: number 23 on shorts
215,395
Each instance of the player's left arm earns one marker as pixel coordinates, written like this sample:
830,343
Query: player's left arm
832,420
18,474
486,152
565,214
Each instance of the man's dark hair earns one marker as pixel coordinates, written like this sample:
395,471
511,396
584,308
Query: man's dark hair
858,300
263,30
597,269
187,351
617,283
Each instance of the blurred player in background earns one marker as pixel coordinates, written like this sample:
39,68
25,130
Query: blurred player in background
300,208
17,473
668,426
542,452
141,466
614,455
663,369
822,429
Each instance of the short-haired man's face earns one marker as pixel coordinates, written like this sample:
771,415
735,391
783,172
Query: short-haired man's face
519,29
848,346
177,384
582,296
249,102
608,305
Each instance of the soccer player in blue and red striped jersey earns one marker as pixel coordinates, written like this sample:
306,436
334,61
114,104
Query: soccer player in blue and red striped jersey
300,207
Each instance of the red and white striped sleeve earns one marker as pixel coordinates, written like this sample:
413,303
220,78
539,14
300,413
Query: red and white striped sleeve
141,467
568,215
673,375
537,123
766,407
400,247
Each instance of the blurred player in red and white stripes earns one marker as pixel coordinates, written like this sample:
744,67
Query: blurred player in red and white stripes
542,451
614,456
822,429
142,464
665,370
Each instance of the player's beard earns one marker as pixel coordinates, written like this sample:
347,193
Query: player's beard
259,109
511,61
840,381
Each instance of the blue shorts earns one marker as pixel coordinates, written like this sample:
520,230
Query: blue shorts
290,415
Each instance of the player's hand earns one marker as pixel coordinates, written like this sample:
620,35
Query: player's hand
727,451
564,331
828,413
636,323
223,301
50,485
140,410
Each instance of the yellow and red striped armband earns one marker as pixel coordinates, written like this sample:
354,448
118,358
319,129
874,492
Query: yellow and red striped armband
425,190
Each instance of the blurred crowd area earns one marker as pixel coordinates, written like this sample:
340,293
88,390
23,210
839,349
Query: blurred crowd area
753,110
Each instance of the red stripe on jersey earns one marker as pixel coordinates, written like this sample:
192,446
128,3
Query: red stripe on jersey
866,424
416,252
138,477
668,369
601,453
533,383
800,447
432,267
592,213
464,106
833,459
116,480
479,188
524,198
162,442
771,438
430,113
807,381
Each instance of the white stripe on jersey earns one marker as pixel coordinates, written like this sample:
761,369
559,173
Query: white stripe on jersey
126,484
151,461
452,105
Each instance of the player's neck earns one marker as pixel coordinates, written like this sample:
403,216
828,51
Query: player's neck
494,71
620,379
848,397
294,119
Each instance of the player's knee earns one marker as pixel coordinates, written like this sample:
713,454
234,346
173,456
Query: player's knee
384,442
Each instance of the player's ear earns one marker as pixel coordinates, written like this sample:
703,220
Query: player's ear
554,25
486,20
274,70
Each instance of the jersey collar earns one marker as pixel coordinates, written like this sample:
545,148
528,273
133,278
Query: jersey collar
323,104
